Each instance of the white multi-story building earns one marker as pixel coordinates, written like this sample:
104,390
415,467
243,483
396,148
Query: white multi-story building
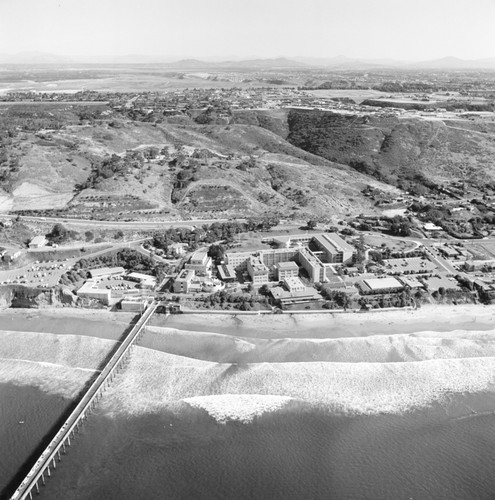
257,270
312,265
286,270
182,283
200,263
334,248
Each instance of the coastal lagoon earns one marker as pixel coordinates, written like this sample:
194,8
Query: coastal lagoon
378,405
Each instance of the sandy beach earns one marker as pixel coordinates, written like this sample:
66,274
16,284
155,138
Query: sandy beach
333,325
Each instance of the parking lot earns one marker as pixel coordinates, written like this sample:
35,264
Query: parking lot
117,284
37,274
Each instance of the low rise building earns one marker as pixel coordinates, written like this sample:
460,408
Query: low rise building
284,297
38,242
145,280
102,272
411,282
90,290
434,283
294,284
133,304
226,273
449,252
381,285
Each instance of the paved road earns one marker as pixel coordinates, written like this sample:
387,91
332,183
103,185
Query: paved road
119,224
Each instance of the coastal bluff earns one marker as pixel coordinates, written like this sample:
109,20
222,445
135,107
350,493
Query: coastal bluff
19,296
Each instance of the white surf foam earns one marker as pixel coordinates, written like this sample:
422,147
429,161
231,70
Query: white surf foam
156,380
238,407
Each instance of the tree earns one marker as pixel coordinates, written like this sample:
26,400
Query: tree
400,226
216,252
58,234
311,224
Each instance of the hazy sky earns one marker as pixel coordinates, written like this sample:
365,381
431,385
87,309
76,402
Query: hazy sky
412,29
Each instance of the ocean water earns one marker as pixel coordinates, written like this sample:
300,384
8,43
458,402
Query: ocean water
298,453
131,448
39,412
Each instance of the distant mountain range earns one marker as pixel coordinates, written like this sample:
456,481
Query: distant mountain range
338,62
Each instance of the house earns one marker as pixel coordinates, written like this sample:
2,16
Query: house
38,242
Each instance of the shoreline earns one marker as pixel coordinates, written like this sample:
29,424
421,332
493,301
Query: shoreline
440,318
76,321
393,366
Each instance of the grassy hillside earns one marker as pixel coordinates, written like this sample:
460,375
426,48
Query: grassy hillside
105,166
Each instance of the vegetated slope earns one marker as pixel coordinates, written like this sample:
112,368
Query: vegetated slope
273,120
117,167
405,152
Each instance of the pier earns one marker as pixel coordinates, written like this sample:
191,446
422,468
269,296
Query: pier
52,454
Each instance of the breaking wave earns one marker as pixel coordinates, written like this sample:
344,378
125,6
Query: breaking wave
238,407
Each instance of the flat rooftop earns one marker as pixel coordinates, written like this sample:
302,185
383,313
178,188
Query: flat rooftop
287,266
333,243
382,283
